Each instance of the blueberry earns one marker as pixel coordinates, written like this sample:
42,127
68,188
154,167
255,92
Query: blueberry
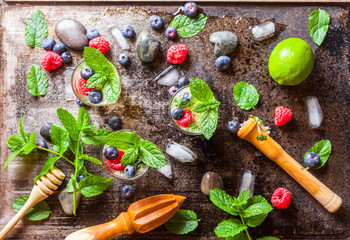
186,98
128,32
312,160
178,113
130,171
128,191
95,96
156,22
223,63
80,103
80,177
48,43
183,81
41,143
59,48
45,131
115,123
173,90
171,33
123,59
66,57
110,153
190,9
233,126
92,33
86,73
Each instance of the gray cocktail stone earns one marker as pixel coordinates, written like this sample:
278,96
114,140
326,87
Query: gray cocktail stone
225,42
72,33
147,47
67,201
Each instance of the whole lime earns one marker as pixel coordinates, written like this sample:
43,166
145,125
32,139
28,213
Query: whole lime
291,61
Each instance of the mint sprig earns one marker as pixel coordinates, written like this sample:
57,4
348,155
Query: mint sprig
245,95
318,25
36,29
323,148
37,81
183,222
188,27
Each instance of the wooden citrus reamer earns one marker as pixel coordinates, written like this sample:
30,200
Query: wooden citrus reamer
44,187
271,149
142,216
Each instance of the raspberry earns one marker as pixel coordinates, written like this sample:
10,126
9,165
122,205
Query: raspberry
187,118
82,87
282,116
177,54
51,61
281,198
115,164
100,43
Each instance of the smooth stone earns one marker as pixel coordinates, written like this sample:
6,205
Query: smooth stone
147,47
210,181
72,33
225,43
67,201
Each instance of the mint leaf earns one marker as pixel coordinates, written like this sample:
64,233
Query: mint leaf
239,236
151,155
15,142
95,137
130,156
93,185
183,222
97,61
69,123
59,138
73,146
200,90
200,107
38,212
12,156
47,166
96,80
111,89
255,221
91,159
257,209
243,197
208,122
122,140
318,25
323,148
28,148
245,95
229,228
83,118
37,81
36,29
188,27
268,238
261,137
224,201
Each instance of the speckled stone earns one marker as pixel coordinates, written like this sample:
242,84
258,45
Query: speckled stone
210,181
147,47
67,201
225,43
72,33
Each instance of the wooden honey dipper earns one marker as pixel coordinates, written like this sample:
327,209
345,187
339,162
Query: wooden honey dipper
44,187
142,216
271,149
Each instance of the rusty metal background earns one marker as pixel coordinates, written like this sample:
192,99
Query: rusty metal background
143,107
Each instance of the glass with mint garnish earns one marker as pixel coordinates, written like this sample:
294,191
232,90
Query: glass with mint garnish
96,81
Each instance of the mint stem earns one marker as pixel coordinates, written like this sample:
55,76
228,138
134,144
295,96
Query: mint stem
75,174
58,154
246,230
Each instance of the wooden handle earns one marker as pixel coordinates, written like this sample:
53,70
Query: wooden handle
249,131
106,231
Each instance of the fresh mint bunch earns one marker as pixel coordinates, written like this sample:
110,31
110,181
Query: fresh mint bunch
187,27
251,211
318,25
323,148
208,107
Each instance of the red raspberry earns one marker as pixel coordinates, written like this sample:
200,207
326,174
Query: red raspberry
51,61
100,43
115,163
82,87
282,116
186,119
177,54
281,198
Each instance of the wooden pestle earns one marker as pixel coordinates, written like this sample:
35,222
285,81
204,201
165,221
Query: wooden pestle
271,149
44,187
142,216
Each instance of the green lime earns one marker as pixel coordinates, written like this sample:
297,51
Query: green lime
291,61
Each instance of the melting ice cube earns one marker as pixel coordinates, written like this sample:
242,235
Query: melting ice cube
118,37
314,111
166,171
168,77
180,152
263,29
247,181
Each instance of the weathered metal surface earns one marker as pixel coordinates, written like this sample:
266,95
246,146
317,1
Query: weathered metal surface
143,106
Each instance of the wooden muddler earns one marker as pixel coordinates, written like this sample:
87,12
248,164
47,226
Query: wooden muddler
271,149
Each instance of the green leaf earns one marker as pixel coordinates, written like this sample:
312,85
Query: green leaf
96,80
122,140
261,137
12,156
73,146
188,27
243,197
229,228
69,123
37,81
59,138
208,122
15,142
21,130
151,155
318,25
200,90
70,187
28,148
257,209
268,238
91,159
36,29
245,95
239,236
97,61
111,89
47,166
224,201
32,138
39,212
200,107
323,148
258,219
94,185
130,156
83,119
96,137
183,222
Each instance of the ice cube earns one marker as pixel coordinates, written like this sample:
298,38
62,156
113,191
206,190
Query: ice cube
180,152
168,77
247,181
118,37
166,171
314,111
263,29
